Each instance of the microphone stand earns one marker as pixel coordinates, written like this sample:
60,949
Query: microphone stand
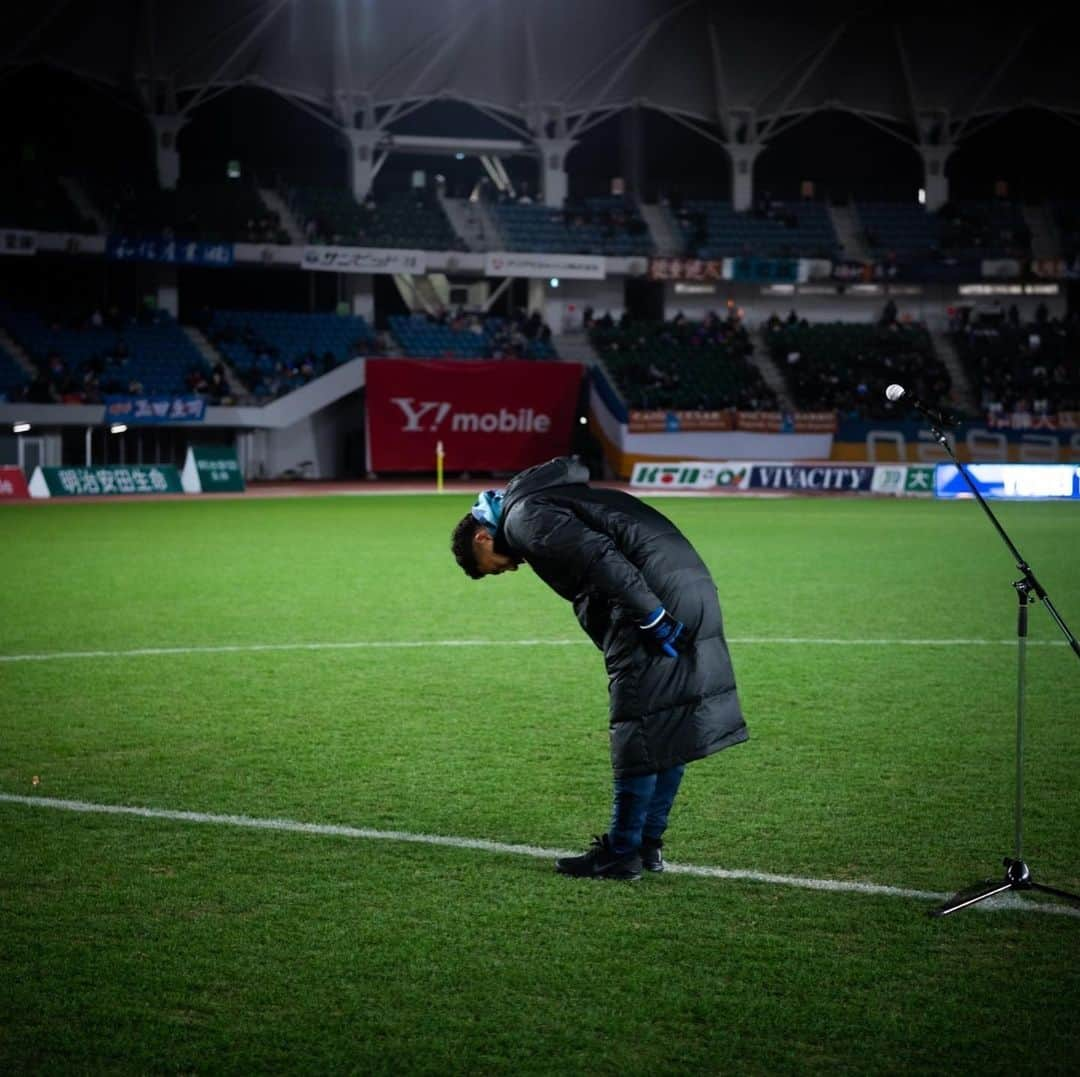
1028,589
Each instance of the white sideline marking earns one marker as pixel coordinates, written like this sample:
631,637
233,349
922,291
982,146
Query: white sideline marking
244,648
1007,901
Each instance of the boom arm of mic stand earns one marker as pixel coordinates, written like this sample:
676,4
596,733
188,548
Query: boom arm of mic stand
1029,576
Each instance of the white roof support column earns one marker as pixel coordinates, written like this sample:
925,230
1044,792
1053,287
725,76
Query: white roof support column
166,128
161,109
742,157
933,129
364,161
935,181
553,178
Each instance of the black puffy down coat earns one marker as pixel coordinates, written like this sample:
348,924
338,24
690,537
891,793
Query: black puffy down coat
617,559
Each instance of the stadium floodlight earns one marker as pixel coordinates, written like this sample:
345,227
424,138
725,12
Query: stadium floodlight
117,428
20,428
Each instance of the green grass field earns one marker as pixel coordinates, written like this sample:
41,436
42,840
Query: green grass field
878,754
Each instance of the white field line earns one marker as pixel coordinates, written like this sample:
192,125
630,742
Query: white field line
1006,901
347,645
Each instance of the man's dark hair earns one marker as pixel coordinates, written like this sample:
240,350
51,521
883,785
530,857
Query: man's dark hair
461,543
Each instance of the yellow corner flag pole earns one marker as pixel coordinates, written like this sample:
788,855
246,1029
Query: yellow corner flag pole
438,466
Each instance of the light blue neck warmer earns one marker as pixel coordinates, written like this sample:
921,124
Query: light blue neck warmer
488,508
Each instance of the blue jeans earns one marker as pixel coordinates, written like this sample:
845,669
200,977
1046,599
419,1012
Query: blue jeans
641,807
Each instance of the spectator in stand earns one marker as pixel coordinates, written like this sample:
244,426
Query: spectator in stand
218,389
196,381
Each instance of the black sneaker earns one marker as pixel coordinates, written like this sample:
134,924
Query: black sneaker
652,854
601,862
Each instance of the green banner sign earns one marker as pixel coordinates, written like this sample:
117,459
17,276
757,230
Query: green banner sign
211,469
105,479
904,480
919,480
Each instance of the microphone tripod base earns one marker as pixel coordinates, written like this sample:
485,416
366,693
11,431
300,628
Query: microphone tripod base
1017,877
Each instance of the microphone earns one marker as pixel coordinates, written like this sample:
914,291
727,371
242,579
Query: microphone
895,392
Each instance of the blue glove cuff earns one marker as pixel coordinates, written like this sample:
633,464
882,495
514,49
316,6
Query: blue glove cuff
653,619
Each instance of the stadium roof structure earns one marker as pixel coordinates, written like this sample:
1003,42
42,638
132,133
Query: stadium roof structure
733,75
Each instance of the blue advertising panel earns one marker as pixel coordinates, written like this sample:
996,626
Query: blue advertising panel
1013,481
154,409
169,251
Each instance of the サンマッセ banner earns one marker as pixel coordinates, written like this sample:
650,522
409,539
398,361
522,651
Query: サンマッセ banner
501,415
364,260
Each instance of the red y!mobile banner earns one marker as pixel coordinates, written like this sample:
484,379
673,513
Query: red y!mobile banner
498,415
13,483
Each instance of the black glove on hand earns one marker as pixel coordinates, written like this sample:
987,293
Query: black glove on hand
663,634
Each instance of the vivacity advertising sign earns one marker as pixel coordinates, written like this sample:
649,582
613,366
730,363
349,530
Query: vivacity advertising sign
499,415
826,478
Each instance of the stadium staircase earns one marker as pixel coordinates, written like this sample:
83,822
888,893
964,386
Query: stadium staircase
962,394
17,352
83,203
575,348
492,236
849,232
430,293
14,377
214,357
472,224
1045,237
664,229
770,372
300,404
276,204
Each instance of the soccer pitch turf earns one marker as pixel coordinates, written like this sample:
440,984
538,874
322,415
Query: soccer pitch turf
322,661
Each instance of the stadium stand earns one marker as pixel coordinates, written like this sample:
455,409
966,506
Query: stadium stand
464,336
14,381
774,229
1021,367
36,200
834,365
965,229
410,219
210,213
81,363
682,364
610,225
275,352
993,229
901,229
1066,215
